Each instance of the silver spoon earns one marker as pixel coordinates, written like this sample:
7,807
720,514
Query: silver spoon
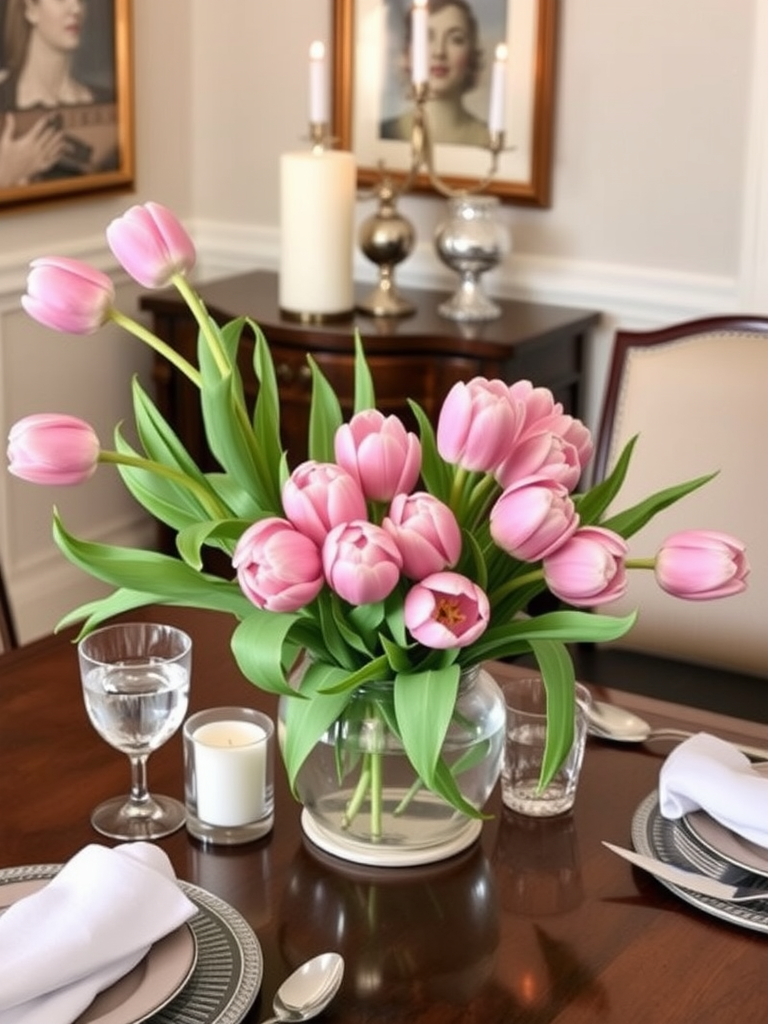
307,991
610,722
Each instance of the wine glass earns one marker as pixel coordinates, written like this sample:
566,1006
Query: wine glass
135,679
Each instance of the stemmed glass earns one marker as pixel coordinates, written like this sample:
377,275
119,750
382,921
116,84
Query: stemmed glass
135,679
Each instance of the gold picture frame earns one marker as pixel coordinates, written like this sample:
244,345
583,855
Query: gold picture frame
90,135
363,58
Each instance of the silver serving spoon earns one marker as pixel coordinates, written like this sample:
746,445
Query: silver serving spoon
307,991
611,722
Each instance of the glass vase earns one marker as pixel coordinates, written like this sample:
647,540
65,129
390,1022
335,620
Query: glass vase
471,241
362,799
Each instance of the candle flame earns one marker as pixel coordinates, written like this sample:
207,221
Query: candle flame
501,52
317,50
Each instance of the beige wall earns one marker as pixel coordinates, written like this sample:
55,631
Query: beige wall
659,207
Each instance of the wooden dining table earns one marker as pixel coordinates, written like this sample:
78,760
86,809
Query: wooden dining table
537,922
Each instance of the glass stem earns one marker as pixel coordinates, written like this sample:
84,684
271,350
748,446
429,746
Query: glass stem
139,792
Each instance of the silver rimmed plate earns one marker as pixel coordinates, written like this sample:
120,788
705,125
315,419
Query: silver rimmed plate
726,844
224,980
656,836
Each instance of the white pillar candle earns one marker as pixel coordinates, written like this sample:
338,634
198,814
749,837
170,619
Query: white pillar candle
318,84
230,772
419,42
498,90
317,202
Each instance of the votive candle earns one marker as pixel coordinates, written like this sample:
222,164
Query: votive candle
230,772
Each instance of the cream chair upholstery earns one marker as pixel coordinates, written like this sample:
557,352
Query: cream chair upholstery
697,395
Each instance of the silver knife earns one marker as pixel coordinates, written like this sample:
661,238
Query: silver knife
692,880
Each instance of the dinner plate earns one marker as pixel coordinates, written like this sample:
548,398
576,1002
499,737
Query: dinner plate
669,840
726,844
222,982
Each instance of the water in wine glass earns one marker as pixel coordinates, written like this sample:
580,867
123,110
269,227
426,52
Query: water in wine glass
135,679
136,706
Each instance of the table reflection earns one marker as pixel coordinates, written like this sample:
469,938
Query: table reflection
414,936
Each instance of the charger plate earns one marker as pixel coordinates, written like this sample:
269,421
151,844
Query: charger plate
670,841
220,988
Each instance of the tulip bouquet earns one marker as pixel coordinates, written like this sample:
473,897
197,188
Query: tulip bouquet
387,555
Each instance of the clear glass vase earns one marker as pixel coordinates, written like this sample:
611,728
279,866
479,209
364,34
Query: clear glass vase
364,802
471,241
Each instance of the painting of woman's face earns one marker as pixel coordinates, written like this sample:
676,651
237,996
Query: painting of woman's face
450,52
58,22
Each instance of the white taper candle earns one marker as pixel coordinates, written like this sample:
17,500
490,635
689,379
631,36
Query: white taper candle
318,84
498,90
419,42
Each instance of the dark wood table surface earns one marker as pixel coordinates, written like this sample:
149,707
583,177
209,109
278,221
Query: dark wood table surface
537,923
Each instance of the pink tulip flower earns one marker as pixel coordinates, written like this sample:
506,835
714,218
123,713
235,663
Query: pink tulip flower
320,495
379,453
278,568
361,562
426,533
478,424
542,455
588,570
446,610
700,565
533,518
50,448
68,295
151,244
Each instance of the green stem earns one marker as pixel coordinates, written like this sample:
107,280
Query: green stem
377,786
200,313
534,576
480,498
208,500
640,563
161,347
356,800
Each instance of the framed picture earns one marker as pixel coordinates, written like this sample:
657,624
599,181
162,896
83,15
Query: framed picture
372,104
74,136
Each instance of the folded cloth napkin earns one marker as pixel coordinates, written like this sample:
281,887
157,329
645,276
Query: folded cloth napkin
709,774
62,945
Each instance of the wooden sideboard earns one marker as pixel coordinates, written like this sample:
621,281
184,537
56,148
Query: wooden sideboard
418,357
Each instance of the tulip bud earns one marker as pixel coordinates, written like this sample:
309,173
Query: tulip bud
700,565
68,295
318,496
588,570
54,449
382,456
361,562
426,533
278,568
151,244
532,518
446,610
478,424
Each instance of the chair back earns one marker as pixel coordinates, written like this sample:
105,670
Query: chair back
696,394
8,638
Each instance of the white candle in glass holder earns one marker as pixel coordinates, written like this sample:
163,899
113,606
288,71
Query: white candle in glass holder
317,202
230,772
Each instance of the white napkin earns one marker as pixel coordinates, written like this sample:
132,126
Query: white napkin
709,774
88,927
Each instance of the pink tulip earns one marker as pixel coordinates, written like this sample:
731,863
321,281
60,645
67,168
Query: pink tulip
68,295
151,245
320,495
700,565
446,610
278,568
426,533
361,562
379,453
588,570
50,448
478,424
543,455
533,518
539,405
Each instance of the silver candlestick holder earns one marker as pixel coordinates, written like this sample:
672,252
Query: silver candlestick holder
387,237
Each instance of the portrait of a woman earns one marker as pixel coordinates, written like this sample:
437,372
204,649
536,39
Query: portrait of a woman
38,85
455,61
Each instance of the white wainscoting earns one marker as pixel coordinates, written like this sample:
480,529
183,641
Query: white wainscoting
44,586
